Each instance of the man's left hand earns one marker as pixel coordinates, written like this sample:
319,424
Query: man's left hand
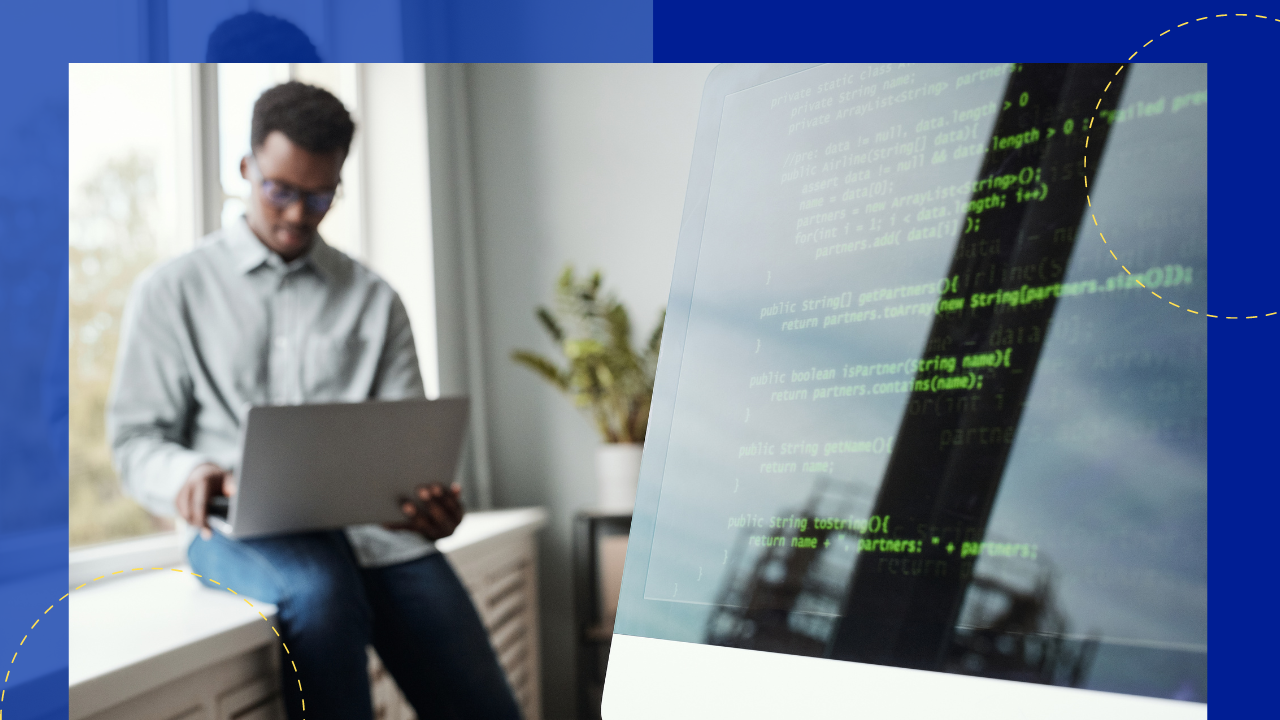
434,511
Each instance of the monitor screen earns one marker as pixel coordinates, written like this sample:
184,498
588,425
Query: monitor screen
933,392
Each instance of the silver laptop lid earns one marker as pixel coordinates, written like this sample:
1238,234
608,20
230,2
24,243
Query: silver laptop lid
313,467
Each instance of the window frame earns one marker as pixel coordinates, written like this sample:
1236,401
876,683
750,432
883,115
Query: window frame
450,238
116,558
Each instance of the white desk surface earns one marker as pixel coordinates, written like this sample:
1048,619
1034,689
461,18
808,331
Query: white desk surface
135,634
478,526
138,633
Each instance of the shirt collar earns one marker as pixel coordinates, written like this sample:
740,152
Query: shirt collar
249,253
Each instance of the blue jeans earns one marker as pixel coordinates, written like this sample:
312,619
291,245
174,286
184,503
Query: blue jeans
417,615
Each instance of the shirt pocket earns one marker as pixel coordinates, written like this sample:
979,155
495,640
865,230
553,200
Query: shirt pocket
336,369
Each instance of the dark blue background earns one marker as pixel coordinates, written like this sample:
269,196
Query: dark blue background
37,39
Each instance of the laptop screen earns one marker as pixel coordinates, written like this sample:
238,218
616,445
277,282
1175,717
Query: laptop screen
934,391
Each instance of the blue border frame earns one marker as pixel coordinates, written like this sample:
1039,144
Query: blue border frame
39,38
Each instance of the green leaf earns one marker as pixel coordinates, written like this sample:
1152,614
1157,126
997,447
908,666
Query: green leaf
605,375
619,327
543,367
574,349
549,322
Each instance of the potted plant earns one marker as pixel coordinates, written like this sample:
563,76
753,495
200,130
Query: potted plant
603,375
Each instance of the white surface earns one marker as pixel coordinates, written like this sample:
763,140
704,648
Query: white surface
131,636
136,634
86,563
397,191
703,681
491,525
617,474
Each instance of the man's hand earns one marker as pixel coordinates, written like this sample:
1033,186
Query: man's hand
434,512
206,481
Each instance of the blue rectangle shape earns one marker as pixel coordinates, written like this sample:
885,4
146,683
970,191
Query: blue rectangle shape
33,364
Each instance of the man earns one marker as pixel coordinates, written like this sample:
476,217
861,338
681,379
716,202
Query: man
264,312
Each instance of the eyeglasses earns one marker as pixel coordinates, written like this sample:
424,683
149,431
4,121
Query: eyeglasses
282,196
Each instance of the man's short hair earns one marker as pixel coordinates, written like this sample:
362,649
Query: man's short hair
311,117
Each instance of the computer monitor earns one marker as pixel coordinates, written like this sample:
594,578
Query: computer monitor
928,436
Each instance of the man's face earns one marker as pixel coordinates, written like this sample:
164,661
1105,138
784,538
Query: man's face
288,229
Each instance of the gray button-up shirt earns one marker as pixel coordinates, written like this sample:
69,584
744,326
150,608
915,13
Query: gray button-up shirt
230,325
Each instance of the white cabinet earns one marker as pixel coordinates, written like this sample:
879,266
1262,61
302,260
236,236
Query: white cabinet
502,577
238,688
258,699
159,646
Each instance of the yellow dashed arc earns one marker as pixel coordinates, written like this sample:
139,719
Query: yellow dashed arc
14,659
1085,164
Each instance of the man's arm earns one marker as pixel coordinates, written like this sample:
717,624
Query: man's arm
150,406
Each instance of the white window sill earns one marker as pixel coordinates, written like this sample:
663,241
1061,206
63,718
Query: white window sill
136,631
84,564
131,636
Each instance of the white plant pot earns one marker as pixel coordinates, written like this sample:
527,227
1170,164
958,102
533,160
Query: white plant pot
617,473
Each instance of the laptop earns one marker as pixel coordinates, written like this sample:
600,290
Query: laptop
317,467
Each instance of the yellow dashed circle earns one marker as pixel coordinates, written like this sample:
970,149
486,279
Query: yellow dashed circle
1086,164
13,660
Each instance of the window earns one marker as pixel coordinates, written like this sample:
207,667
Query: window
139,194
131,201
134,189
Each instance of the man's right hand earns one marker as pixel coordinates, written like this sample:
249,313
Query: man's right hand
206,481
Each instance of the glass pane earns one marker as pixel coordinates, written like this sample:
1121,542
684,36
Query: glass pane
925,417
130,206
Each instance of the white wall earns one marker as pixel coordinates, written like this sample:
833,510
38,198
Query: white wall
581,164
398,221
